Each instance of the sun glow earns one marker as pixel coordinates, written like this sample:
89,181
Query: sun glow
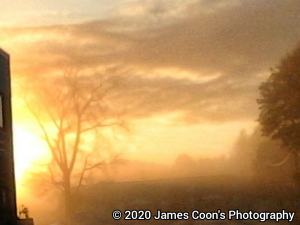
29,150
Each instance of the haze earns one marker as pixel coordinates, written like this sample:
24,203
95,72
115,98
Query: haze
191,68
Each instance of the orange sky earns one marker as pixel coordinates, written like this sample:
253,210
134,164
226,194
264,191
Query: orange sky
191,68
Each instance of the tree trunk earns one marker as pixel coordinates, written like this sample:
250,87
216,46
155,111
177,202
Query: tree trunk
67,199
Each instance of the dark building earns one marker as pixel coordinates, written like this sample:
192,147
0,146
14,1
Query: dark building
8,209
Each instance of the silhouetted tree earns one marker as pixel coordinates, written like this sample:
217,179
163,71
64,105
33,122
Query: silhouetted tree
70,110
271,164
280,104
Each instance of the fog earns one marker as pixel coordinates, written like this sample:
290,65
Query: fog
251,178
147,105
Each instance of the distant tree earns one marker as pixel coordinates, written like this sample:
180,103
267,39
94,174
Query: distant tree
184,161
280,104
242,154
184,165
70,109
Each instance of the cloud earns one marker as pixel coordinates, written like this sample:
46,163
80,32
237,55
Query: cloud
214,101
237,40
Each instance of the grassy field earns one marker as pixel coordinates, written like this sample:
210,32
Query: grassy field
95,204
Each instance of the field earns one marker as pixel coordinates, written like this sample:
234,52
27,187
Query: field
95,204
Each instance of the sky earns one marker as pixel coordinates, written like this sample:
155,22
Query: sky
191,68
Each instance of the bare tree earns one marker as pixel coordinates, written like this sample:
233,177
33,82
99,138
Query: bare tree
70,110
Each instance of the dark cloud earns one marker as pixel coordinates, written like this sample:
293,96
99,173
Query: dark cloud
239,40
236,40
244,38
214,101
